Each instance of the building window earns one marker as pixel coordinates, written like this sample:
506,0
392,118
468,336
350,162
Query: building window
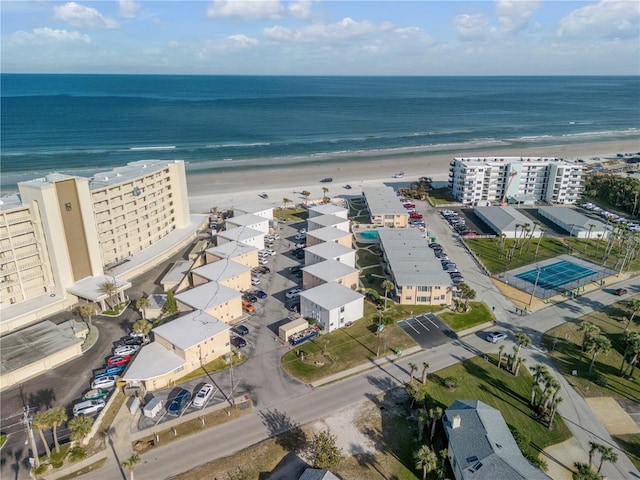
424,289
423,299
342,309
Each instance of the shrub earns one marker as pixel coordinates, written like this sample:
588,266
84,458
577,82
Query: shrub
41,469
77,454
599,379
312,321
450,383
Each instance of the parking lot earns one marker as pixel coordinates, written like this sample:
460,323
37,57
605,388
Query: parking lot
427,330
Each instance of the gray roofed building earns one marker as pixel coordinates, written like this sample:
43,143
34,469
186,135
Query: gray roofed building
327,209
481,447
191,329
331,295
574,222
207,296
240,234
329,251
249,220
254,209
314,223
153,360
317,474
231,250
130,171
329,270
328,234
506,220
221,270
383,201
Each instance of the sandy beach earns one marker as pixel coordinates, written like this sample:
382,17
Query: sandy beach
226,187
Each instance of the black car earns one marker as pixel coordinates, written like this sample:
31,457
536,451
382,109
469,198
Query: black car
138,341
298,274
179,402
326,180
238,342
250,298
435,245
295,269
240,330
264,269
347,187
300,255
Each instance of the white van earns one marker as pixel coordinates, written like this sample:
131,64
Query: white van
88,407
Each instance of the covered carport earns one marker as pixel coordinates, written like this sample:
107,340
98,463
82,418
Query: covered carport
100,289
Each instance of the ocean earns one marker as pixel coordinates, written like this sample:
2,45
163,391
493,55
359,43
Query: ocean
81,124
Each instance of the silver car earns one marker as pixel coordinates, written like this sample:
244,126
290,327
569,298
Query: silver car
204,394
88,407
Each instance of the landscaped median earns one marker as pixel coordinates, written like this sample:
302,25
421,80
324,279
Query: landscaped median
477,315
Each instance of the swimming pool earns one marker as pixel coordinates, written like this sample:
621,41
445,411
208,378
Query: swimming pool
370,234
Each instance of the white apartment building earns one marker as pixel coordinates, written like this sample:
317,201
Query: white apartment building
477,181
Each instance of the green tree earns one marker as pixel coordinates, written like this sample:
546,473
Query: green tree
500,355
425,372
634,304
142,304
80,427
387,285
589,330
435,414
423,419
593,448
597,344
631,352
57,416
426,459
285,201
522,340
413,368
539,372
131,463
109,289
324,452
584,472
542,230
40,423
170,306
87,311
554,409
142,326
607,454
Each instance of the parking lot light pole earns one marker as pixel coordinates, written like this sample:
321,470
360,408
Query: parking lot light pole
535,285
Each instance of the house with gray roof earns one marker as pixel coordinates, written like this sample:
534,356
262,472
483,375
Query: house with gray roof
329,251
481,446
507,221
385,208
328,209
322,221
329,234
574,222
236,251
317,474
226,272
330,271
216,299
248,220
332,305
248,236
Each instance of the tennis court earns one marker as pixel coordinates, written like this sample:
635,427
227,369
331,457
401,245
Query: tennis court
557,274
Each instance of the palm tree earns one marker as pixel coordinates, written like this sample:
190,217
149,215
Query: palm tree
426,459
593,448
597,344
519,362
542,230
554,410
87,311
599,236
324,191
631,346
607,454
589,330
306,194
387,285
80,427
413,369
522,340
142,326
109,289
57,416
539,371
435,414
141,304
423,418
41,422
131,463
500,355
634,304
425,372
591,227
570,235
584,472
285,201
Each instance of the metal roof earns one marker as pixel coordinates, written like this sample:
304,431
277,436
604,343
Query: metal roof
178,271
207,296
383,201
329,270
411,260
328,234
240,233
329,250
331,295
247,220
570,216
221,270
191,329
327,209
231,250
153,360
503,218
326,221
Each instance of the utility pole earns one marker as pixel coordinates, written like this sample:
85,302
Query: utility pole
379,329
233,401
27,421
535,285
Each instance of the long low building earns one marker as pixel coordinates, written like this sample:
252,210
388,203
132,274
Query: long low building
507,221
574,222
416,273
329,234
332,305
385,208
330,271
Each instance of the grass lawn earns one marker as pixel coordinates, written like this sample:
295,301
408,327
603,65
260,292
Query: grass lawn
212,367
478,314
479,379
630,444
366,258
349,347
441,196
293,214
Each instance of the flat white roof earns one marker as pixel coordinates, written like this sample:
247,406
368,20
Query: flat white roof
153,360
329,250
327,209
253,208
247,220
493,160
191,329
331,295
503,218
130,171
328,234
177,271
383,201
221,270
329,270
207,296
570,216
231,250
410,258
90,289
327,220
9,202
240,233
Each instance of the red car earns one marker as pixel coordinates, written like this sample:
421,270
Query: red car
415,215
620,291
409,205
469,234
119,360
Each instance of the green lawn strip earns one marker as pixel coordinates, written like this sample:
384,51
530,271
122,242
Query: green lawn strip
441,196
366,258
3,439
294,214
630,444
348,347
567,355
478,314
479,379
215,366
370,278
83,471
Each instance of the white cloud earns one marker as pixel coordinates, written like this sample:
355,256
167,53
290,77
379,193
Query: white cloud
128,8
472,27
252,9
606,19
514,15
242,41
345,29
79,16
47,36
300,10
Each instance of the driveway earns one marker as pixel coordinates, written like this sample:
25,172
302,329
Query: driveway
427,330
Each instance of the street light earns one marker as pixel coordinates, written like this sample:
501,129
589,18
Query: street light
533,292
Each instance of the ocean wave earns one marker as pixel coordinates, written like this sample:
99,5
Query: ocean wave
159,147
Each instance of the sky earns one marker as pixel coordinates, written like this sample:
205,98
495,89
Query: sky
315,37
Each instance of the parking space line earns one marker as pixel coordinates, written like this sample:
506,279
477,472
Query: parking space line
421,324
433,323
408,324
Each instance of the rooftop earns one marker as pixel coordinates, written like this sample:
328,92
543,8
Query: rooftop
191,329
240,233
247,220
328,234
221,270
207,296
329,250
493,160
503,218
570,216
327,209
412,261
383,201
153,360
90,288
130,171
9,202
329,270
331,295
253,208
327,220
178,271
231,250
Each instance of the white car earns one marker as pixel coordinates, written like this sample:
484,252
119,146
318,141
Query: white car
293,293
105,382
270,251
302,231
204,394
301,236
88,407
263,261
255,281
276,236
123,350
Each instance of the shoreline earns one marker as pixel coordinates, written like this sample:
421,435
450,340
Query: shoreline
241,184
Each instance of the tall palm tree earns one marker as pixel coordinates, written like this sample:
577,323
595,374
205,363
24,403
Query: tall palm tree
109,289
542,230
435,414
599,236
142,326
57,416
387,285
500,355
80,427
131,463
631,346
554,410
425,372
285,201
597,344
141,304
634,304
522,340
88,310
584,472
413,368
539,371
593,448
591,227
426,459
589,330
423,418
607,454
40,423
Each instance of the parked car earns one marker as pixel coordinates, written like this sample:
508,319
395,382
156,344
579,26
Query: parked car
409,205
301,236
457,279
247,307
105,382
435,245
123,350
620,291
293,293
270,251
301,245
201,398
133,341
263,261
495,337
347,187
119,360
260,294
469,234
255,281
326,180
238,342
263,269
298,274
179,402
264,195
300,255
276,236
240,330
88,407
95,394
295,268
249,297
415,215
